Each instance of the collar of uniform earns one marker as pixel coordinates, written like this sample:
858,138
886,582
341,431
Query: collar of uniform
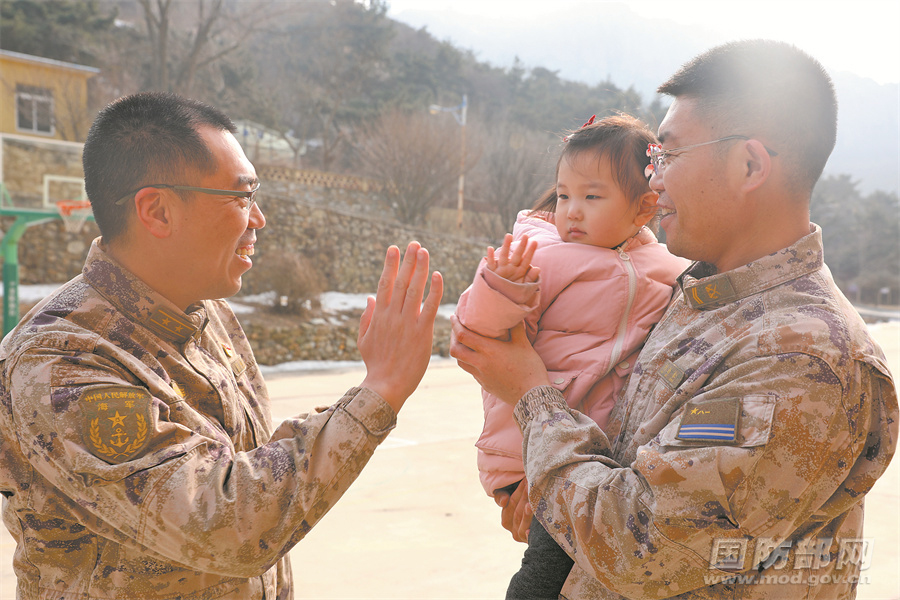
704,289
134,298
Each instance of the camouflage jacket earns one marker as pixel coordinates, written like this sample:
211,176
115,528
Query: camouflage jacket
139,459
758,416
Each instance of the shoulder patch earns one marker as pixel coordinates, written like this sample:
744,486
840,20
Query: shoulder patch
116,422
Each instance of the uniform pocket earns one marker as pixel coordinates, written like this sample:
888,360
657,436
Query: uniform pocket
756,420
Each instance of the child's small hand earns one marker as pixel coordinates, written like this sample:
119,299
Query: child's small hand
516,512
515,266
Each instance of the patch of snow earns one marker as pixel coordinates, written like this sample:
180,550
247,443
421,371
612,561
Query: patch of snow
300,366
267,298
332,302
241,309
338,301
35,293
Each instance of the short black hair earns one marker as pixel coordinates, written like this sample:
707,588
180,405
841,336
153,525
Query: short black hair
768,90
142,139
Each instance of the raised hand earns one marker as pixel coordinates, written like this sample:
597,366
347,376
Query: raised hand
396,329
513,265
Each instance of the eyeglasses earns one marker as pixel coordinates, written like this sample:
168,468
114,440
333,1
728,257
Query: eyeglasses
248,197
658,156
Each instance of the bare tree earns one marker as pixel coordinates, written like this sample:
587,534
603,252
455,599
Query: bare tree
327,61
186,37
417,156
516,167
71,110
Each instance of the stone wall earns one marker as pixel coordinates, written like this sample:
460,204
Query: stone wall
342,231
26,161
346,240
47,253
280,343
50,254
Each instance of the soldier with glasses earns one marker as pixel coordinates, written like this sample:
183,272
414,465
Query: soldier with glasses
139,457
760,412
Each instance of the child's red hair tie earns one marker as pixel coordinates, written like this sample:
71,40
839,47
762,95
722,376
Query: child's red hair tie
589,122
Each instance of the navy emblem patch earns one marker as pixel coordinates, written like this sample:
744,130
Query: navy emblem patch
710,421
117,422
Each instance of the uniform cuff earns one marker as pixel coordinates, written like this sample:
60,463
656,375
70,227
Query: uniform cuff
370,410
544,399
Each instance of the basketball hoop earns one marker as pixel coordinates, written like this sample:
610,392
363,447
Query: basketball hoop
74,213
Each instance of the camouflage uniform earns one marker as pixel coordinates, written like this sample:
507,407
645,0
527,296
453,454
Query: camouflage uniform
139,458
759,414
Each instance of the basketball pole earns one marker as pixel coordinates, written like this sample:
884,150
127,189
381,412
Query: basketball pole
25,218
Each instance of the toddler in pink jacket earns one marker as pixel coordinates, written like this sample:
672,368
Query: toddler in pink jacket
590,280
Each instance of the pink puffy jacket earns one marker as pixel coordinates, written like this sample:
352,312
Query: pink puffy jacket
587,318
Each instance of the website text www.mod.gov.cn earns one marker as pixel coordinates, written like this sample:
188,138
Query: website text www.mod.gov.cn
796,578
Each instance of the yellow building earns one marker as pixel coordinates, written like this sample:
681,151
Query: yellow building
42,97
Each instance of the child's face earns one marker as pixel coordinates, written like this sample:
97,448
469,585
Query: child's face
591,208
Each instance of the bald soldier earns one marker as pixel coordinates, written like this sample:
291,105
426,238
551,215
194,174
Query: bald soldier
139,459
760,411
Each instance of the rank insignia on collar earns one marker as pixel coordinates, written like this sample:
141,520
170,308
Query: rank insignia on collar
710,421
171,326
116,422
712,291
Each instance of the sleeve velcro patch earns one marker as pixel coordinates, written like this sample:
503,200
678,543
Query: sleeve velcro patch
116,422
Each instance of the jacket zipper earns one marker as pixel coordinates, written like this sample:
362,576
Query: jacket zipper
623,323
623,326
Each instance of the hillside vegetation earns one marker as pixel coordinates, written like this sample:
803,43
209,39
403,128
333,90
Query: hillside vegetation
348,90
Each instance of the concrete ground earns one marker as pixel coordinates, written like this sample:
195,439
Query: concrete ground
416,524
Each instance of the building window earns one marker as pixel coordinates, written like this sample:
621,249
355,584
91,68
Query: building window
34,109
